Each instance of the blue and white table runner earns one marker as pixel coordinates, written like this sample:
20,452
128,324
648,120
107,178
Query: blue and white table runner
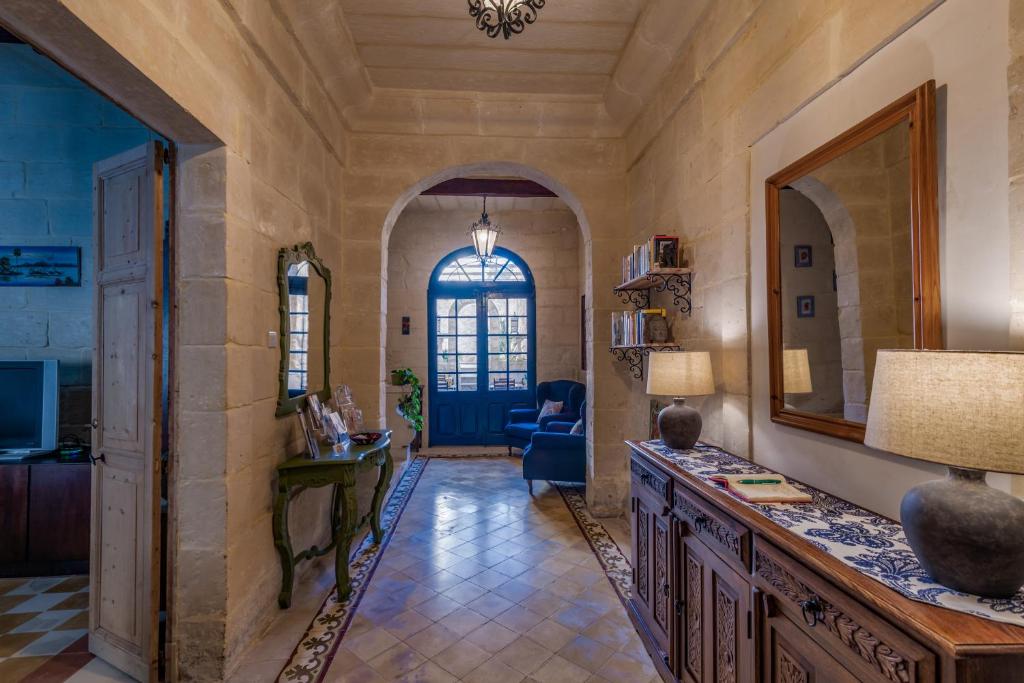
873,545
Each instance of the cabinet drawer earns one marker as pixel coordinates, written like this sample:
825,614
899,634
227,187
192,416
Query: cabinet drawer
650,478
861,641
727,537
790,656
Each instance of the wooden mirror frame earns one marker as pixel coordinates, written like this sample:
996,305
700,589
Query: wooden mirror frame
918,108
287,257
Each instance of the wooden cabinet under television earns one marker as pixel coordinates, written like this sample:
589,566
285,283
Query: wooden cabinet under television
44,519
722,595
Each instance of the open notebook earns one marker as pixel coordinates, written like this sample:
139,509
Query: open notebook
761,488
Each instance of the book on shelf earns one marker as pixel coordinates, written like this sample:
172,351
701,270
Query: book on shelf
761,488
629,327
660,251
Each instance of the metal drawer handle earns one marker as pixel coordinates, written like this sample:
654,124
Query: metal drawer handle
102,458
701,521
811,610
665,588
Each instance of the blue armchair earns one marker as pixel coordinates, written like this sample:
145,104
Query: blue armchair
556,454
523,422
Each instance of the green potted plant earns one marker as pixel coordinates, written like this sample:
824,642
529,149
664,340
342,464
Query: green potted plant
410,406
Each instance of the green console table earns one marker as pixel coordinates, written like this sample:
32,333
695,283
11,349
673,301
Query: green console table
338,469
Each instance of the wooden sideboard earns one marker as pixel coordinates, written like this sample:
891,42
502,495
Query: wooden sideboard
721,594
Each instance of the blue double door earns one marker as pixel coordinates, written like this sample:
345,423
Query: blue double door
482,358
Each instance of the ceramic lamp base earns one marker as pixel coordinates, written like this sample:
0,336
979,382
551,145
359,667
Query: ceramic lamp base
966,534
679,425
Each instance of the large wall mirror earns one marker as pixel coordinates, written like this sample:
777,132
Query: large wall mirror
304,283
852,232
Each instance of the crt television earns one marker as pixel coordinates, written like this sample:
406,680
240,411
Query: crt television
29,400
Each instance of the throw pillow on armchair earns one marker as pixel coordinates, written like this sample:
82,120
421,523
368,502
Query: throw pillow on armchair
550,408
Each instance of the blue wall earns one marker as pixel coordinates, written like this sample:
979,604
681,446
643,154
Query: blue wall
52,129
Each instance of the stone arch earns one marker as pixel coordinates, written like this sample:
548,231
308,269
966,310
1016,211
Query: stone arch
501,169
844,236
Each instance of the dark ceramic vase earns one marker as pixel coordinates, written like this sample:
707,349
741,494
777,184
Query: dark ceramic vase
679,425
967,535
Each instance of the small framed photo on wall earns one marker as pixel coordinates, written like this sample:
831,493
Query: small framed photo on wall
805,306
803,256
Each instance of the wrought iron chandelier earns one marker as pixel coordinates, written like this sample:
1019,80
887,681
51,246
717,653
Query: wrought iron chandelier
484,235
504,17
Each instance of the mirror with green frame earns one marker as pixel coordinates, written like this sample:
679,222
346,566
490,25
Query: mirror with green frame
304,283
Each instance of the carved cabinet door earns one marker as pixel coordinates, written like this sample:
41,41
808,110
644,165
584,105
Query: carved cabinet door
790,656
715,635
651,555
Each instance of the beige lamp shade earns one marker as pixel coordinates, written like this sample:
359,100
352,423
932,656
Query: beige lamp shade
958,408
796,372
680,373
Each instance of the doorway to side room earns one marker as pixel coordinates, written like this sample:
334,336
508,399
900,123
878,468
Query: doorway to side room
85,365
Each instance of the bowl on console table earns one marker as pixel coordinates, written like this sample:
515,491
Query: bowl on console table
365,438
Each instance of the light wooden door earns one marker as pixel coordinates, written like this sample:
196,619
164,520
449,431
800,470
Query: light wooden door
124,566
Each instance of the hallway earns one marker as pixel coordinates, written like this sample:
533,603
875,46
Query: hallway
482,583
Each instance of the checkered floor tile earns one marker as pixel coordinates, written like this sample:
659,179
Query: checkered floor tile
43,628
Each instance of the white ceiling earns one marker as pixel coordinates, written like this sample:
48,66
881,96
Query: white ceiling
494,204
573,48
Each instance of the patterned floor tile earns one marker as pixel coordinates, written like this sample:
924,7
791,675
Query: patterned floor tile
477,580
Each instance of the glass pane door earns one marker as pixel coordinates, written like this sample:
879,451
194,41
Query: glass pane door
456,359
507,343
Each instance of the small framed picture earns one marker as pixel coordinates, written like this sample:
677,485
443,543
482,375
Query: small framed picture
316,412
805,306
312,443
338,428
803,256
666,251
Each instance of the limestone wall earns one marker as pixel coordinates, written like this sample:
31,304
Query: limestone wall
547,240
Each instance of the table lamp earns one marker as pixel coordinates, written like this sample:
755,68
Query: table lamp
796,372
679,373
964,410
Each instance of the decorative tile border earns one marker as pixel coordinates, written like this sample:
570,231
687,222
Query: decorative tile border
615,563
313,655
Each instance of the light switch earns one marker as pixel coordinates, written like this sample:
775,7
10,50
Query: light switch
272,339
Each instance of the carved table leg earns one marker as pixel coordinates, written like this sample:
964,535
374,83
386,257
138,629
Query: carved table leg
345,534
283,543
387,468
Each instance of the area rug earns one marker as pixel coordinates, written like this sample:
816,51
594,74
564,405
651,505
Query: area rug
312,657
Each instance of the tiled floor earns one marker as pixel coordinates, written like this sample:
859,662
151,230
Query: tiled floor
481,582
43,626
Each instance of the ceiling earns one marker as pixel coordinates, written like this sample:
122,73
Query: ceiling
573,49
495,205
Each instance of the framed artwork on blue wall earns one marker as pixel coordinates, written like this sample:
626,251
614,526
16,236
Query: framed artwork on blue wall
805,306
40,266
803,256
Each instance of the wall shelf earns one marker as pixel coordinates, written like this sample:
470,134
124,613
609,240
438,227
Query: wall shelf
678,281
634,355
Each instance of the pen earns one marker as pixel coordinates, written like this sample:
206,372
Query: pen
759,481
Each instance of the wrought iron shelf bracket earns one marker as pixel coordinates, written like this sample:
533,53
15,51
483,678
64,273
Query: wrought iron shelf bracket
638,290
634,355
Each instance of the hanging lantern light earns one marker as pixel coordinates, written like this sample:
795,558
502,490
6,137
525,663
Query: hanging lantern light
504,18
484,235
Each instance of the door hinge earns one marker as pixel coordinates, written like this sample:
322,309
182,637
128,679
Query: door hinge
632,504
750,624
634,576
679,607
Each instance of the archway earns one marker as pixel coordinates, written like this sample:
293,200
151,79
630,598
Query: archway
502,170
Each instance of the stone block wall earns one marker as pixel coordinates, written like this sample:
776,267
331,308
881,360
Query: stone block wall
688,161
548,240
53,128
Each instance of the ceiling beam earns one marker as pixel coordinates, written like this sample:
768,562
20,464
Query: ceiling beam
489,187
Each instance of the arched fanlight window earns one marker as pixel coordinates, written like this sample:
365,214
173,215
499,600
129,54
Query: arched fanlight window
471,269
